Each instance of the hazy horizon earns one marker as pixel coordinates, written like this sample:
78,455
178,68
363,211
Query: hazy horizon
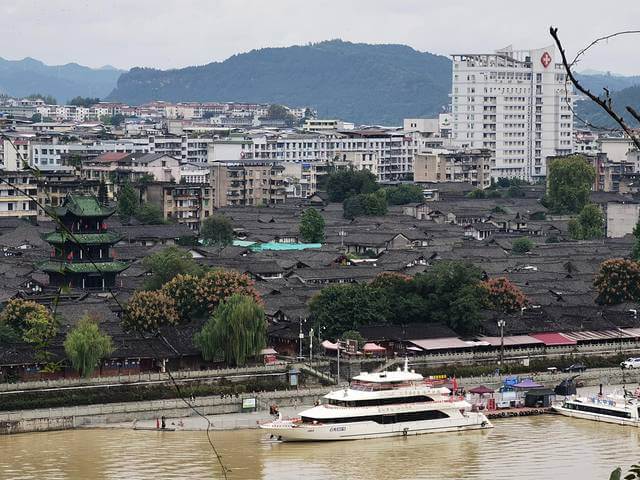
172,34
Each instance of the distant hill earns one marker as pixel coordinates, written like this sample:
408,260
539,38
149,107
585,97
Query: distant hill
19,78
595,81
591,112
364,83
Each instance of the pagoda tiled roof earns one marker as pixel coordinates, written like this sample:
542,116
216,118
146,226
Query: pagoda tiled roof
83,267
83,206
82,238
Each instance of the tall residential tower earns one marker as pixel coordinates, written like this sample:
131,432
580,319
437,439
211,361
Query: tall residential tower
515,104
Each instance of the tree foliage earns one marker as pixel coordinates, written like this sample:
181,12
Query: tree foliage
346,307
589,225
353,335
182,289
217,285
166,264
311,226
449,293
217,230
569,184
635,252
503,296
47,99
33,322
148,311
236,330
618,281
128,201
85,345
150,214
404,194
84,101
365,204
343,184
521,245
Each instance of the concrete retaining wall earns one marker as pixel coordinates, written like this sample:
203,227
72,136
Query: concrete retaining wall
42,419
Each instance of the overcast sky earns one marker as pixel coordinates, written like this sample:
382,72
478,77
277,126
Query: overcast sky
172,33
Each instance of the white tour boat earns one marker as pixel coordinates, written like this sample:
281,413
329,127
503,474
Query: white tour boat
384,404
622,409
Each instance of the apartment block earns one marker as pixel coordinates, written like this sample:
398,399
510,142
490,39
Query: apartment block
515,103
471,166
184,203
247,182
17,191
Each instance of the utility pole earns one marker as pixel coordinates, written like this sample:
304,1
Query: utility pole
300,338
338,343
310,345
501,324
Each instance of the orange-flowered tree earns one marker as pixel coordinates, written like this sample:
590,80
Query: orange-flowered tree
502,295
217,285
617,281
182,289
147,311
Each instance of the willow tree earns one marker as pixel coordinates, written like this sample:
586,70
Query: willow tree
236,331
86,345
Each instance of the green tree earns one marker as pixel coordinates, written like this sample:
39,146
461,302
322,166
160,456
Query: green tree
166,264
150,214
148,311
617,281
589,225
451,290
85,345
347,307
521,245
367,204
353,335
311,226
217,230
47,99
236,330
569,184
103,196
404,194
343,184
635,252
84,101
128,202
36,118
8,334
477,193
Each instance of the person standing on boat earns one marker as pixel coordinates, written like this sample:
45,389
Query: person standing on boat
164,423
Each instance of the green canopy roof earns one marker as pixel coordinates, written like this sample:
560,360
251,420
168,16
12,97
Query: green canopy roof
84,267
83,206
82,238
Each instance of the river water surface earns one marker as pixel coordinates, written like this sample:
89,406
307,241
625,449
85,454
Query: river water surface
541,447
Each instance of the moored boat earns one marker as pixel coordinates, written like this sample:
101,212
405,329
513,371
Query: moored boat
385,404
621,409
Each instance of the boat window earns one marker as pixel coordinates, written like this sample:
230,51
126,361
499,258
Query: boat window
383,419
374,402
597,410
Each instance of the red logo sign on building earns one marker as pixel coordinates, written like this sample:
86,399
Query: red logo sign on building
545,59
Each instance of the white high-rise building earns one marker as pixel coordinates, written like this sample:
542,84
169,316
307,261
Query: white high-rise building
515,104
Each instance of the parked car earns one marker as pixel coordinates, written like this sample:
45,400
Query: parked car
576,367
633,362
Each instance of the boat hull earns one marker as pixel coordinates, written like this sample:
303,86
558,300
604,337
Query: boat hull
596,417
291,432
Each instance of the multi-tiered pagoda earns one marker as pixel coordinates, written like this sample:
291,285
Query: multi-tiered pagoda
80,255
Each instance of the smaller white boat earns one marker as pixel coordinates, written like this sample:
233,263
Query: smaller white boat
619,408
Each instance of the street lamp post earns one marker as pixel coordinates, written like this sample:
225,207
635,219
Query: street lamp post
501,324
301,338
310,345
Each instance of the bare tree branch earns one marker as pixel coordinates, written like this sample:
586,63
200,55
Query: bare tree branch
604,104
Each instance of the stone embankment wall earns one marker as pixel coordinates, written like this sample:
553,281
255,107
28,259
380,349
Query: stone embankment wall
71,417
